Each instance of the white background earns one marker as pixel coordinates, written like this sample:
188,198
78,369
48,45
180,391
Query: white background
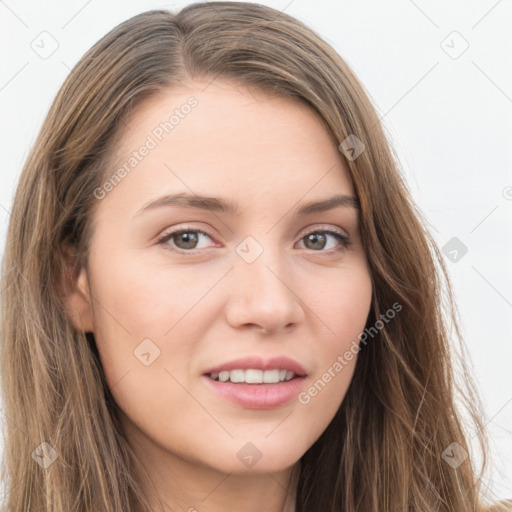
448,118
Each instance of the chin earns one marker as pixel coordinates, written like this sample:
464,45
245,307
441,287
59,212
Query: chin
259,456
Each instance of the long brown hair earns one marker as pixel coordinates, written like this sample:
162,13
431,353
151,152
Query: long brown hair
384,449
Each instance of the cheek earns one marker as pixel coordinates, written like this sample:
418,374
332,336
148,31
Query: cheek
343,307
342,302
145,342
138,297
147,326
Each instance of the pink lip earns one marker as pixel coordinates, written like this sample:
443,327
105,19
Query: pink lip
258,363
258,396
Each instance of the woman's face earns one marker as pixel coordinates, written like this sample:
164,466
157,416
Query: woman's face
231,282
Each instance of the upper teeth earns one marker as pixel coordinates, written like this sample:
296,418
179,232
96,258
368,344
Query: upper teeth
253,376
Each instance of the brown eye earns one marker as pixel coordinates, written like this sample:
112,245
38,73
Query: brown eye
184,239
317,241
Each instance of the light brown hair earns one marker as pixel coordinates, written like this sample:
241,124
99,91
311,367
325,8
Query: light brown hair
383,450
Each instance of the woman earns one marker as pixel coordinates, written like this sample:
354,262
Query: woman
218,292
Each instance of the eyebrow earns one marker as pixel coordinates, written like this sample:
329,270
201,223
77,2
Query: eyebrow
220,205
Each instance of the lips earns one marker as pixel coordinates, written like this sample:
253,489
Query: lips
257,383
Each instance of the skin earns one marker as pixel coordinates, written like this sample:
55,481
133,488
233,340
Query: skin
208,306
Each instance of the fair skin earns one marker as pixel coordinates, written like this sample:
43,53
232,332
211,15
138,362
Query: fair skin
202,304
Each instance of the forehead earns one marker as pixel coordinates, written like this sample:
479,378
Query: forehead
220,137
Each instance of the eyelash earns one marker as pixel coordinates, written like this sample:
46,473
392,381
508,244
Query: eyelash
343,239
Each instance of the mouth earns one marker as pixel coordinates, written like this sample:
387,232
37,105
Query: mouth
255,383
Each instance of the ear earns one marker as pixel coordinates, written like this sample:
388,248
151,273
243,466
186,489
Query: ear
75,292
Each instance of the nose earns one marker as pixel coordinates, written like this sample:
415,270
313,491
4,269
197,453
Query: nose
263,296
